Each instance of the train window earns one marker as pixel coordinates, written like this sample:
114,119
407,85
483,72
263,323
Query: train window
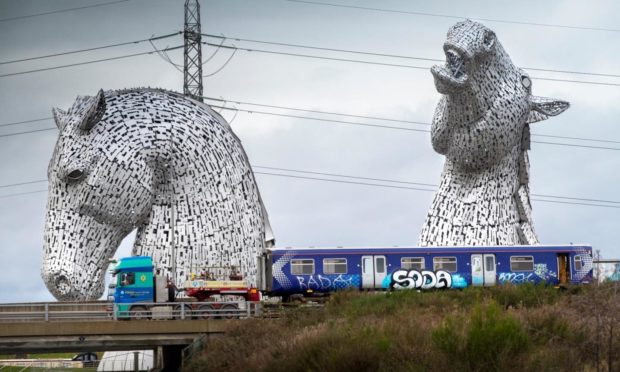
302,267
445,263
335,265
489,262
521,263
412,263
578,263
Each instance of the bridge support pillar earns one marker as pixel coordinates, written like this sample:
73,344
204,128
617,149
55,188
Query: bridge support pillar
172,357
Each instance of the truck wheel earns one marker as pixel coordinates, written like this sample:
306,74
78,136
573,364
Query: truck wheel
204,312
177,311
139,313
229,311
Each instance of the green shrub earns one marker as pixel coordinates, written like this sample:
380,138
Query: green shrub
485,340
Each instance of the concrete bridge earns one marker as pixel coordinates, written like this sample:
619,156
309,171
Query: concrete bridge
75,327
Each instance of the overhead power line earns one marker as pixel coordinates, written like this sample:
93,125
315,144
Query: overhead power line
390,127
342,114
341,122
27,132
313,56
386,119
381,63
319,112
25,121
93,48
89,62
426,14
22,183
344,176
22,193
62,10
419,189
324,120
424,186
421,184
393,55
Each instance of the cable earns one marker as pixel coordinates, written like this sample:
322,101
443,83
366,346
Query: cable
214,53
345,176
93,48
316,57
326,120
582,146
419,189
387,119
323,48
340,122
25,121
165,57
455,17
317,111
27,132
341,181
22,183
397,128
62,10
434,186
341,114
394,55
224,65
385,64
423,184
233,118
22,193
89,62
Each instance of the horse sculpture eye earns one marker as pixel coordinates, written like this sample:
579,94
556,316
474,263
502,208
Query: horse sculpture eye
527,83
75,175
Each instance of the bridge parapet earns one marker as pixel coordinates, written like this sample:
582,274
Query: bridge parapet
106,311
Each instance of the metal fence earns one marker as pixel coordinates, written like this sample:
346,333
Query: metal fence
104,311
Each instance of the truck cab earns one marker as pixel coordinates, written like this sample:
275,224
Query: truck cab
133,282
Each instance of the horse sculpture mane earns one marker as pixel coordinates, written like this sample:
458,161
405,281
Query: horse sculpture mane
481,125
137,158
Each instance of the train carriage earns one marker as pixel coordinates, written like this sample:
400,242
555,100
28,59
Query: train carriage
287,271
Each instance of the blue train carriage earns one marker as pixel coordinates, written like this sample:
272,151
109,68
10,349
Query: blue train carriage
287,271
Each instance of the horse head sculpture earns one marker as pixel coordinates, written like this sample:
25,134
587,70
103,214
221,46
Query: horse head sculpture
481,125
154,161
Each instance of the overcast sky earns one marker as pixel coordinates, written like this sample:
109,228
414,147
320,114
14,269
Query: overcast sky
310,212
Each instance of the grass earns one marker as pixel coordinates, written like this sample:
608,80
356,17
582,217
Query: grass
45,356
32,369
40,356
521,328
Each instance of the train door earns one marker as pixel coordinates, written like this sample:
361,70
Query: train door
483,269
477,272
563,268
489,269
374,271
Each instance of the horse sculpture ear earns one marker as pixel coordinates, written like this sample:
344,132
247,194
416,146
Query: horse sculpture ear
59,117
489,41
94,112
542,108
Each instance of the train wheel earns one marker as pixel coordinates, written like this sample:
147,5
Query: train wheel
229,311
204,312
186,309
139,313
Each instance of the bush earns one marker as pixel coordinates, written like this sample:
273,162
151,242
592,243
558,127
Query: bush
485,340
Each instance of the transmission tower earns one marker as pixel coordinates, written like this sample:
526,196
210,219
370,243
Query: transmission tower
192,68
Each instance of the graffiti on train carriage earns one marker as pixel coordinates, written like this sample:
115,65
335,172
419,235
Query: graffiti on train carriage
425,279
327,282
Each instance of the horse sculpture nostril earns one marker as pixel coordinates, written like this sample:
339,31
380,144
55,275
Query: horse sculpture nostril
63,285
